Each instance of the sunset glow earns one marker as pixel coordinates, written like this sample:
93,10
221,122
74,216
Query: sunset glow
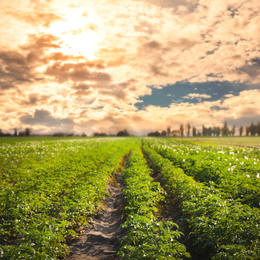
77,33
142,65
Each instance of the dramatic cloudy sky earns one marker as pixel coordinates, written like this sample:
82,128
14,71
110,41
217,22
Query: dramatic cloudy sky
105,65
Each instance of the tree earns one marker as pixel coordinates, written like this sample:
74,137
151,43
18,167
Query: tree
233,130
181,129
154,134
225,129
123,133
194,131
27,131
15,132
247,130
168,130
188,128
59,134
209,131
258,128
99,134
21,133
241,129
253,129
218,130
164,133
204,130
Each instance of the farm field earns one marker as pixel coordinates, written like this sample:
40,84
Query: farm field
52,188
246,141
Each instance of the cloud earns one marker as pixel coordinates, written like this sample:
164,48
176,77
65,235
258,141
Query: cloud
14,69
35,99
36,18
17,67
251,68
76,72
178,4
44,117
197,96
139,44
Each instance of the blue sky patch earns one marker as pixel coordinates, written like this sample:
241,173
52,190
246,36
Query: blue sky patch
192,93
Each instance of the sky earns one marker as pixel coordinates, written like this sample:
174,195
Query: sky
143,65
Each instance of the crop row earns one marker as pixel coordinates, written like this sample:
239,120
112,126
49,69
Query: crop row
146,237
49,190
235,171
228,229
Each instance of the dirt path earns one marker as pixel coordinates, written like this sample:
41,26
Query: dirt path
100,239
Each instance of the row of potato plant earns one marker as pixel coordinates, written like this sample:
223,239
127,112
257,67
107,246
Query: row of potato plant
228,229
235,171
48,190
146,238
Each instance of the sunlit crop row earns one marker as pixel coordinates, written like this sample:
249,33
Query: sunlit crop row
222,226
235,171
146,237
48,190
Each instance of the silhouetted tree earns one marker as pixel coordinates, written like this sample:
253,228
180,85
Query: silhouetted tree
181,129
15,132
225,129
83,135
233,130
123,133
99,134
163,133
194,131
27,131
210,131
154,134
21,133
241,129
4,134
188,129
59,134
253,129
247,130
168,130
218,131
204,130
258,128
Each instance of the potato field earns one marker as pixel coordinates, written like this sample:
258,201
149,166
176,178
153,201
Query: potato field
181,200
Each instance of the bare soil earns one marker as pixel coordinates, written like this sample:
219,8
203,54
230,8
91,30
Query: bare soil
100,238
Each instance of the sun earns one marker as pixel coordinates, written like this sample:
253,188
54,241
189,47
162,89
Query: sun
78,34
85,44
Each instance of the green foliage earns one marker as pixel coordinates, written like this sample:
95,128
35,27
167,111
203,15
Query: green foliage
48,191
235,171
217,224
146,238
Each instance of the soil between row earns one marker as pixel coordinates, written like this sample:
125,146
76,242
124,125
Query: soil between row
100,239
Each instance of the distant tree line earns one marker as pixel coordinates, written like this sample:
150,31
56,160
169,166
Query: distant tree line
27,132
120,133
253,129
